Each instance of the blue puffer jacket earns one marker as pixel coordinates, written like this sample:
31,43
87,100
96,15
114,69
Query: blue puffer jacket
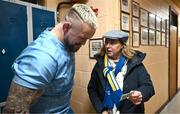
136,78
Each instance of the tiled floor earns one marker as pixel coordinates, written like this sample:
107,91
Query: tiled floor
173,106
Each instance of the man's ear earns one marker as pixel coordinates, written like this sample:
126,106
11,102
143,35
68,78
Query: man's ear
66,27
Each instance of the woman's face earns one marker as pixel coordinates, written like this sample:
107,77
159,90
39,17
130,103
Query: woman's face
112,48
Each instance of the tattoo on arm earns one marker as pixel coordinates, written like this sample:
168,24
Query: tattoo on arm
20,99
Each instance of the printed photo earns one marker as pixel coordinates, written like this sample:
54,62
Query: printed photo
144,36
125,5
95,46
144,17
125,21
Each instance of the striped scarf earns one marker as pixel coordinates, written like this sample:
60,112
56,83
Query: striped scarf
113,91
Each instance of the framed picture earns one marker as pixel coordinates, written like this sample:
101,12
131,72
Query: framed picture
178,41
158,38
125,5
128,41
167,42
144,17
125,21
152,37
135,39
135,9
167,37
95,46
163,40
167,24
144,35
158,23
135,23
164,22
152,20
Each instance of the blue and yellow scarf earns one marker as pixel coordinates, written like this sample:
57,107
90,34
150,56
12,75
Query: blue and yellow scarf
113,91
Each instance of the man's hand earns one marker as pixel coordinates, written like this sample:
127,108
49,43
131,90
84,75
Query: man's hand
136,97
20,98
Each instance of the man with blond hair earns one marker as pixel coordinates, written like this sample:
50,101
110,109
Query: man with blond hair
43,73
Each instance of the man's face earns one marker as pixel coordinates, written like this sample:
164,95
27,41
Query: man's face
77,36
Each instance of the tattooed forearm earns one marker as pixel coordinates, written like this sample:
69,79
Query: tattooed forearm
20,99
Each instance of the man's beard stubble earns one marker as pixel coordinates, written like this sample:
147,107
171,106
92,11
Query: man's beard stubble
70,47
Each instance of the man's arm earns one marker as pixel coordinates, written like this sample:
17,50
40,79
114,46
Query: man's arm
20,98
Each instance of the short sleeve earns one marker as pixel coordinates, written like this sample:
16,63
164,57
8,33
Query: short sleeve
34,69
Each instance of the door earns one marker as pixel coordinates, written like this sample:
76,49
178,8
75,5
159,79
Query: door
13,39
173,52
41,19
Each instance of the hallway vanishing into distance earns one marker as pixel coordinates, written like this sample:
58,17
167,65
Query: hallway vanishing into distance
173,105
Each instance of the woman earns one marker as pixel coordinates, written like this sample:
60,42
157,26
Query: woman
119,70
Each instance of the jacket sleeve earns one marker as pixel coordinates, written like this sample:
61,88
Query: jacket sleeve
145,84
93,90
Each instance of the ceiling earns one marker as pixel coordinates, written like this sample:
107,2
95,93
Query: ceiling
177,2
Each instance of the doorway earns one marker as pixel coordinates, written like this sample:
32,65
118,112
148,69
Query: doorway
173,51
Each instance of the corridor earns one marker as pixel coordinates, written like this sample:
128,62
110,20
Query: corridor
172,106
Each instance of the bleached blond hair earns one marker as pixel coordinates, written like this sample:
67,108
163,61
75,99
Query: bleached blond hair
86,14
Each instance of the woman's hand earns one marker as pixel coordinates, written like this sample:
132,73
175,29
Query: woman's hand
105,112
136,97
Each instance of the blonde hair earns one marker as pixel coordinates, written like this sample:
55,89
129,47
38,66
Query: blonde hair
128,52
85,13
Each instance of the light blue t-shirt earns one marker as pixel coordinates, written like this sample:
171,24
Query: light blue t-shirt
46,64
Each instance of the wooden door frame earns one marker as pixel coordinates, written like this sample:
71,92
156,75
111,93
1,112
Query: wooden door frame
172,10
